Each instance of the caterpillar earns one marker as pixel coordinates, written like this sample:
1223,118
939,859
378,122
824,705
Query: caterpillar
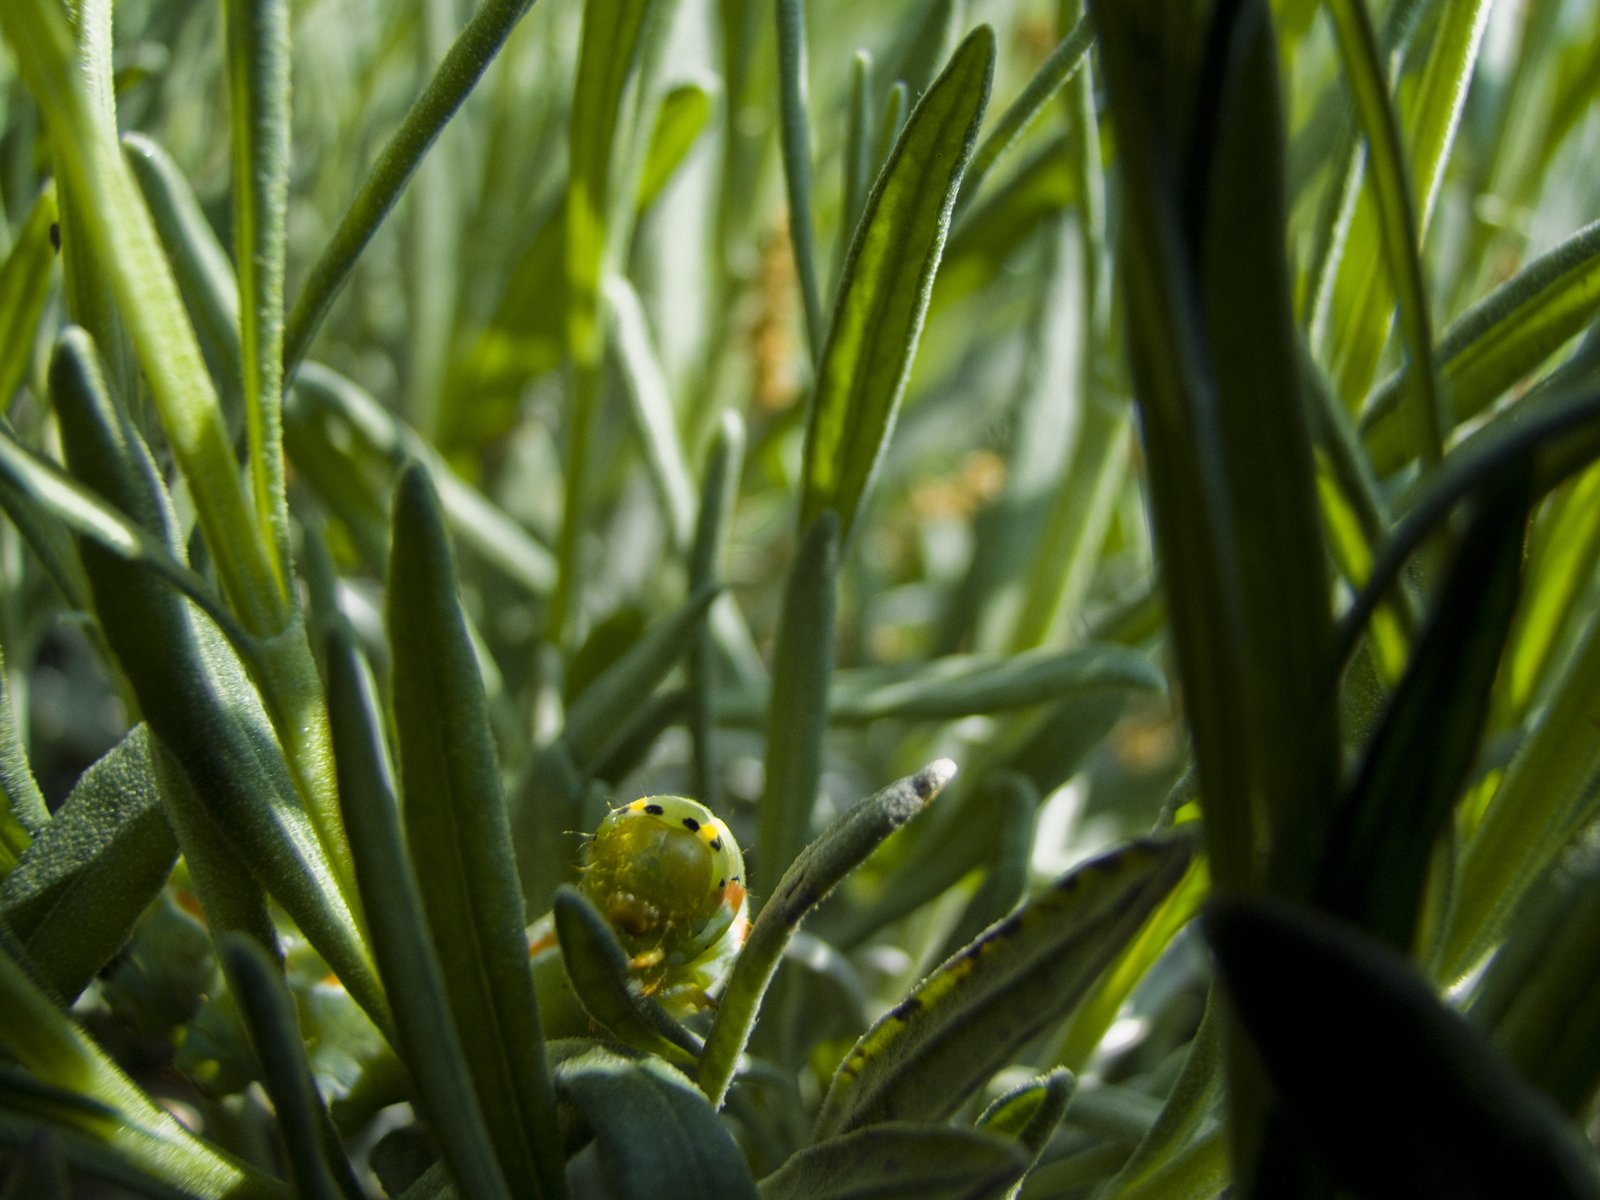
668,876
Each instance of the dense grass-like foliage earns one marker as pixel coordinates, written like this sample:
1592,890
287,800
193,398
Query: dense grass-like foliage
1143,447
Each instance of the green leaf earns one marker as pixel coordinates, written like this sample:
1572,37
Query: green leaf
41,494
956,1028
883,295
455,821
310,1144
651,407
195,694
90,873
401,942
1545,799
22,809
1189,1101
897,1159
1030,1113
718,489
1052,75
597,967
797,716
257,43
1381,837
682,117
657,1137
819,868
1398,1093
1496,342
341,437
123,242
199,264
796,142
24,284
603,706
1215,362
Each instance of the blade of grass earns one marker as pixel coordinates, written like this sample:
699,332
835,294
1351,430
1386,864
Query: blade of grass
1053,75
1381,838
646,385
718,490
1215,361
24,284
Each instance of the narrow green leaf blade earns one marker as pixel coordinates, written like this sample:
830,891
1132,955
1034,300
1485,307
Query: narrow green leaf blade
797,716
257,41
401,943
956,1028
883,295
310,1143
1381,838
815,873
24,284
1496,342
455,820
1215,365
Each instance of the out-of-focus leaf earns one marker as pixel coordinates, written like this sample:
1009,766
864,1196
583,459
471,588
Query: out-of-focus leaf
798,709
24,284
962,685
679,122
1398,1093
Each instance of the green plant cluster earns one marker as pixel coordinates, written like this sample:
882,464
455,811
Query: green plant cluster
428,426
